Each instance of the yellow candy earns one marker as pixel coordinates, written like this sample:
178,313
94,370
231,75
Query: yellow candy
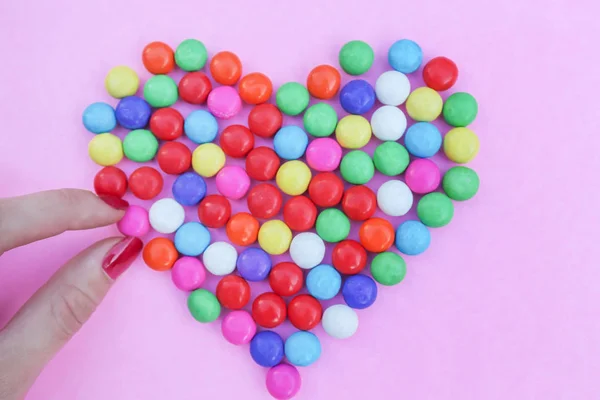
121,82
353,132
208,159
293,177
274,237
461,145
424,104
106,149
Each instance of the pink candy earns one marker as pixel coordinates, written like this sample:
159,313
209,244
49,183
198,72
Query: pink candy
135,222
238,327
283,381
188,273
233,182
422,176
324,154
224,102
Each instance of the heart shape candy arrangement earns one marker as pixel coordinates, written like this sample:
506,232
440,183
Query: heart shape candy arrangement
320,155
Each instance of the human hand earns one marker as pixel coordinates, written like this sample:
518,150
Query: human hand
59,308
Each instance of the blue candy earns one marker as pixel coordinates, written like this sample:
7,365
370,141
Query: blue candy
191,239
405,56
359,291
357,97
133,112
201,127
290,142
412,238
266,348
189,188
423,139
254,264
323,282
302,348
99,118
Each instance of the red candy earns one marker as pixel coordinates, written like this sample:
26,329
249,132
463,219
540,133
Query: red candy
268,310
349,257
326,189
145,183
236,141
233,292
359,203
299,213
440,73
255,88
262,164
110,181
214,211
304,312
174,158
376,235
226,68
286,278
265,120
264,201
194,87
166,123
158,58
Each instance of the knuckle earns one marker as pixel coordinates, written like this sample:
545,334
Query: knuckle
71,308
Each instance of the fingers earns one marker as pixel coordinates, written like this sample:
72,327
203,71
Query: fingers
57,311
32,217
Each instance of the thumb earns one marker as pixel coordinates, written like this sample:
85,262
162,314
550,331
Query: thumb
57,311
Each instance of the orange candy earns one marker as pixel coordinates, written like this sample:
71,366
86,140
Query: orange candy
376,235
158,58
323,82
255,88
242,229
226,68
160,254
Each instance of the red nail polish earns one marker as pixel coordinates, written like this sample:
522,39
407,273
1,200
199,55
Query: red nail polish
121,255
115,202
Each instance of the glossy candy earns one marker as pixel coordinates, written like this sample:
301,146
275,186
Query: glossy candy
423,139
424,104
133,112
353,132
262,163
255,88
191,239
208,159
283,381
224,102
357,167
242,229
356,57
166,215
323,282
286,279
460,109
392,88
326,189
299,213
191,55
174,158
412,238
359,203
461,145
388,268
388,123
188,274
265,120
390,158
233,292
320,120
267,348
376,235
304,312
459,183
264,201
140,145
435,210
423,176
405,56
160,91
340,321
121,81
226,68
323,81
232,182
293,177
158,58
292,98
201,127
440,73
203,306
135,222
323,154
236,141
359,291
160,254
307,250
194,87
219,258
394,198
290,142
302,348
238,327
214,211
269,310
332,225
99,118
254,264
110,181
105,149
145,183
166,123
357,97
274,237
189,188
349,257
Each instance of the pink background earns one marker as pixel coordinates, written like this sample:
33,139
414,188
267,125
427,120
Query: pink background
505,303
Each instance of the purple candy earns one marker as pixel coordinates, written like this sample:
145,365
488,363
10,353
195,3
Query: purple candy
254,264
133,112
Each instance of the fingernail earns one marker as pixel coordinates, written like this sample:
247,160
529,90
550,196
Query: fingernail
121,255
115,202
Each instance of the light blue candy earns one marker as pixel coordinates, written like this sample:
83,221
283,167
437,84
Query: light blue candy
302,348
405,56
99,118
201,127
191,239
290,142
423,139
412,238
323,282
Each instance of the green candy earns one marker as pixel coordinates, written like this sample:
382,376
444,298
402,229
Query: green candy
460,109
435,210
191,55
388,268
391,158
203,305
356,57
357,167
140,145
292,98
460,183
160,91
320,120
332,225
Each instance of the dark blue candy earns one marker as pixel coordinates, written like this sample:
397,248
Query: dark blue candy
359,291
189,188
254,264
266,348
133,112
357,97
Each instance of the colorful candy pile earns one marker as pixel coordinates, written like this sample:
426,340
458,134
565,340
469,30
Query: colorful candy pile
315,158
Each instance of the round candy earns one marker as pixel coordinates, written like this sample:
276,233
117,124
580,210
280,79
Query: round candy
286,279
307,250
349,257
460,109
166,215
324,154
265,120
392,88
290,142
121,81
304,312
412,238
293,177
174,158
188,274
376,235
160,254
326,189
359,291
459,183
254,264
283,382
242,229
424,104
201,127
224,102
145,183
332,225
292,98
274,237
359,203
106,149
405,56
99,118
133,112
323,82
255,88
440,73
214,211
299,213
236,141
110,181
435,210
208,159
422,176
220,258
194,87
233,182
388,268
302,348
264,201
423,139
262,163
140,145
340,321
160,91
238,327
323,282
461,145
269,310
135,222
191,55
394,198
388,123
266,348
189,189
320,120
353,132
356,57
357,167
226,68
204,306
158,58
390,158
233,292
166,123
357,97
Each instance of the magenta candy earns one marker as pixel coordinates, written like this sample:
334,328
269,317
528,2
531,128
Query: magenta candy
422,176
238,327
324,154
224,102
283,381
188,273
233,182
135,222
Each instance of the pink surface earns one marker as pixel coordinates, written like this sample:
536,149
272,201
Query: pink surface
505,303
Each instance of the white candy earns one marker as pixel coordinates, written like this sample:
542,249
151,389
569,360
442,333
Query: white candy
220,258
394,198
166,215
340,321
388,123
307,250
392,88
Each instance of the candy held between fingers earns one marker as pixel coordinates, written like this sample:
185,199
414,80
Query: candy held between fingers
412,238
233,292
254,264
191,55
286,279
238,327
304,312
405,56
166,216
359,291
133,112
121,81
424,104
302,348
208,159
99,118
233,182
290,142
388,268
356,57
307,250
106,149
224,102
395,198
460,109
160,91
269,310
423,139
135,222
204,306
146,183
160,254
423,176
459,183
267,348
201,127
320,120
357,97
283,381
323,282
461,145
220,258
388,123
274,237
390,158
292,98
140,145
435,210
188,274
340,321
293,177
392,88
191,239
